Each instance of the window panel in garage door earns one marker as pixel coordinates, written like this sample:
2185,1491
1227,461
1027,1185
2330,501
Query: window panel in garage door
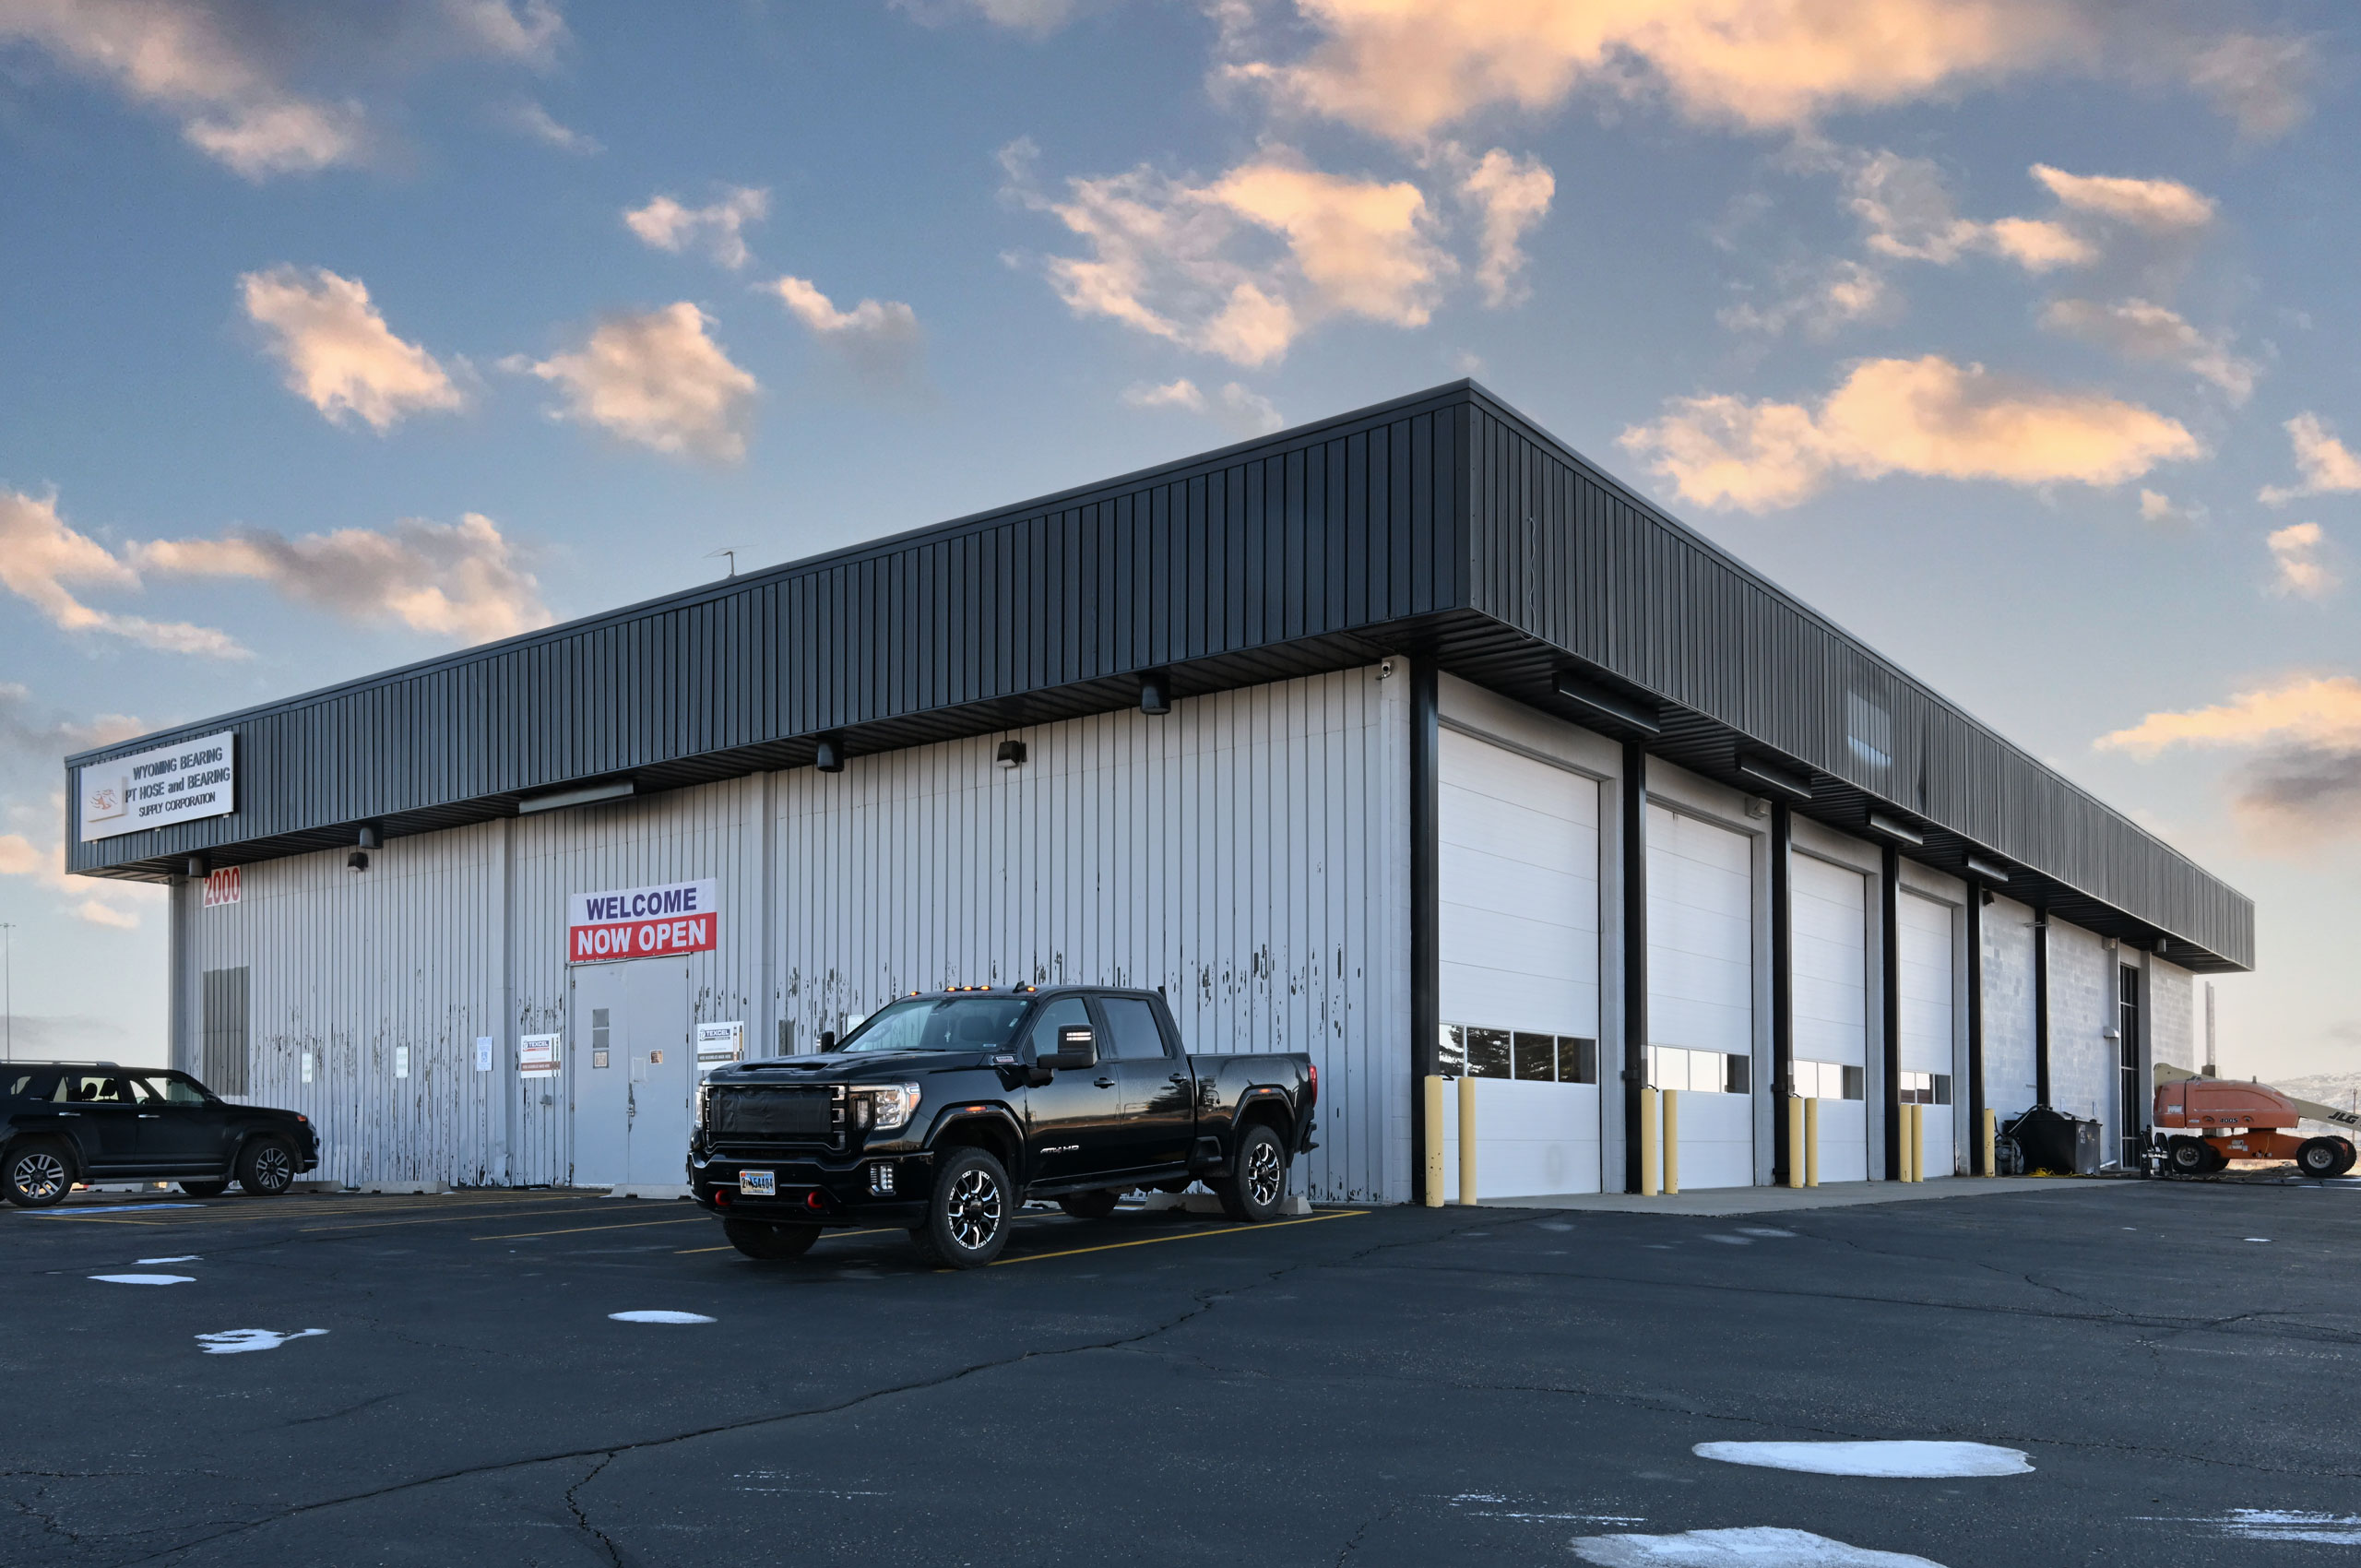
1831,1001
1518,884
1925,991
1701,982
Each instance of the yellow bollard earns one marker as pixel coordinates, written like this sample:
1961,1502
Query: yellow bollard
1431,1092
1467,1141
1910,1143
1917,1143
1991,1166
1648,1142
1672,1140
1795,1140
1811,1142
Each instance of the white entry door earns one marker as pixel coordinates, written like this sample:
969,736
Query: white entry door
1518,884
1831,915
631,1065
1701,991
1925,991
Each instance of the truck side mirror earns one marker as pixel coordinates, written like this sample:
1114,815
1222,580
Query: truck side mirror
1078,1047
827,1039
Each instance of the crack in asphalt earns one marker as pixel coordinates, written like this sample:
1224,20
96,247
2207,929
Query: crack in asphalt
348,1410
574,1505
1353,1542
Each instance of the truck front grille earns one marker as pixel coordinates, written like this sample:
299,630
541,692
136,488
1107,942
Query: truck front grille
776,1115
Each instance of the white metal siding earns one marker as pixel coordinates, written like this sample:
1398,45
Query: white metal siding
1701,980
1247,852
1831,992
2009,1040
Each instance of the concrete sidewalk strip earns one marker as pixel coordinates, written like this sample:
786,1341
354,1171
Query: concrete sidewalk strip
1713,1202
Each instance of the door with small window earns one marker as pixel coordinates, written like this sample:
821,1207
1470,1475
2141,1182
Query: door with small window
1830,922
1701,992
1928,1014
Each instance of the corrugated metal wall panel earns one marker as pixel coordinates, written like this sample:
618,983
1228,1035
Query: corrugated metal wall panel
1248,853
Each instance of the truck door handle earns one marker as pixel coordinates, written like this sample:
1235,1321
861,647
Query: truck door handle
1104,1083
1180,1077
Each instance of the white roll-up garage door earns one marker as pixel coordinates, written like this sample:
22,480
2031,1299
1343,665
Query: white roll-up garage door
1701,991
1925,993
1830,905
1519,895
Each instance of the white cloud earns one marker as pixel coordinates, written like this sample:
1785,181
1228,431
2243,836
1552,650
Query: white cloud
460,580
1927,416
1820,298
657,379
2327,464
2156,506
2140,330
1180,394
1039,17
879,339
669,226
223,69
41,555
1509,195
1908,213
2160,206
33,742
2296,551
528,118
1409,68
1196,264
1249,410
1237,407
340,356
2299,780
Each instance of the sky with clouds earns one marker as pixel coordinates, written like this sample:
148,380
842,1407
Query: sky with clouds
2016,334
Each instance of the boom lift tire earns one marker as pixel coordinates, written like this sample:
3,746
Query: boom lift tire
2188,1157
2322,1157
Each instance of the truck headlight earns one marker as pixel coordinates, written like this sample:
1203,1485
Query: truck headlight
882,1107
705,1097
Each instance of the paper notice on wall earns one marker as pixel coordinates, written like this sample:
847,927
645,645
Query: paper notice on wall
720,1042
483,1054
401,1062
536,1055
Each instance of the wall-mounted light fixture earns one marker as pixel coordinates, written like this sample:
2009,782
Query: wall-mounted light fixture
1991,871
1777,777
581,795
1900,832
196,869
1155,692
828,753
1603,704
1010,754
359,859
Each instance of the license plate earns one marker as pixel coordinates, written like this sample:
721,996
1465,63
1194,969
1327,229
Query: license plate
758,1183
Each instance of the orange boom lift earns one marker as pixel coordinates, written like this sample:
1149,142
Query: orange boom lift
2204,1123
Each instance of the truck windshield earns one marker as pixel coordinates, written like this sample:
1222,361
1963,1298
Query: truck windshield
940,1023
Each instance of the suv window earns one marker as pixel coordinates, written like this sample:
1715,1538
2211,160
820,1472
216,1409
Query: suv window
32,1085
102,1089
1066,1012
173,1091
1132,1022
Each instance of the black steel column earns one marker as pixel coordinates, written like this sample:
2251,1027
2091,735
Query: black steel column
1426,909
1783,991
2040,1005
1890,966
1976,896
1635,954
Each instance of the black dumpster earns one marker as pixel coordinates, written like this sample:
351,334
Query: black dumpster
2056,1143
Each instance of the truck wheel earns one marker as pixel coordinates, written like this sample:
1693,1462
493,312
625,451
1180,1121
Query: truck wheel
2187,1157
2318,1156
772,1243
968,1218
266,1168
1090,1206
1258,1183
37,1174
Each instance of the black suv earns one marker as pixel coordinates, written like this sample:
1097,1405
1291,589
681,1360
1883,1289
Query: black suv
67,1121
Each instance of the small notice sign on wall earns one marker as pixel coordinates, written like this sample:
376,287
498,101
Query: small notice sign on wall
720,1042
536,1055
483,1054
222,888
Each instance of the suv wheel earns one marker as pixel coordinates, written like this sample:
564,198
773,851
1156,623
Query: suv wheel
1257,1187
203,1188
772,1243
266,1168
1090,1206
37,1175
967,1222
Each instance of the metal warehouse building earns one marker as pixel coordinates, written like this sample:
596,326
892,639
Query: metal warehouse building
1409,740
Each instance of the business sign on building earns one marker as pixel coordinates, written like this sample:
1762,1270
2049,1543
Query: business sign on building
642,922
224,887
177,783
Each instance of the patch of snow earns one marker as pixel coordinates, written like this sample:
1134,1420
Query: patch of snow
2283,1524
659,1317
2257,1238
1755,1546
238,1341
1727,1241
72,1211
1906,1459
145,1278
188,1257
1764,1230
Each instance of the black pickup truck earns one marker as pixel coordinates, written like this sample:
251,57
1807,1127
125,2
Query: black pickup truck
946,1111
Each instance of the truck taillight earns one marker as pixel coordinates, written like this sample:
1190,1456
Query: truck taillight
1313,1093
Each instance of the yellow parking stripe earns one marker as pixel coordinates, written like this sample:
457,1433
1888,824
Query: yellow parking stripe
1184,1236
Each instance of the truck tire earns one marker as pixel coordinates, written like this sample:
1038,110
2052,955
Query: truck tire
772,1243
37,1173
266,1167
968,1216
2188,1157
203,1188
1090,1206
2319,1157
1256,1188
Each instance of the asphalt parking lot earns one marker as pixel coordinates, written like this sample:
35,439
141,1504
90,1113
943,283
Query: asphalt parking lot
1361,1387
